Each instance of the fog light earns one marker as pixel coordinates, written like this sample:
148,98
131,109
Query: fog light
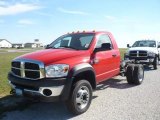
47,92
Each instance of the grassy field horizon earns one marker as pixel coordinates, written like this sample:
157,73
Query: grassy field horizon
5,66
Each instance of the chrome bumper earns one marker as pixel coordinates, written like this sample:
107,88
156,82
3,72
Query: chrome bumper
43,91
147,61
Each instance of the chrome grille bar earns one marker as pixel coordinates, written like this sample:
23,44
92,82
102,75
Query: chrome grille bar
24,72
22,69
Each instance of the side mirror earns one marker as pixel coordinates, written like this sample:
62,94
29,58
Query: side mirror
128,46
158,46
104,47
47,46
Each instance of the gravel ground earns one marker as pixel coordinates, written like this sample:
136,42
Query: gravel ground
113,100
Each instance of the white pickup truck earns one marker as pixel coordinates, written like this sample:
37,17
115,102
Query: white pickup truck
144,52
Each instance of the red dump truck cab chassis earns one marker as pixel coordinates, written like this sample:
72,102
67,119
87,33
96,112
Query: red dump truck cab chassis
70,68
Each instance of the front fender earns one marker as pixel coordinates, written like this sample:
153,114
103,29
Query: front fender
76,70
81,68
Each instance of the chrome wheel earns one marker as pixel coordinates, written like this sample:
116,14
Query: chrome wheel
82,97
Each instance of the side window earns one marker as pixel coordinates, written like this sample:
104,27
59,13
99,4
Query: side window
103,39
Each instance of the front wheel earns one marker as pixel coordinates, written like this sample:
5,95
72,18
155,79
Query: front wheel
80,98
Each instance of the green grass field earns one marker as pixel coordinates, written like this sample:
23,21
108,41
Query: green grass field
5,65
122,51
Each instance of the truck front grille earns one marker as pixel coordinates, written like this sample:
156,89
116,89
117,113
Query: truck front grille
138,54
31,66
28,69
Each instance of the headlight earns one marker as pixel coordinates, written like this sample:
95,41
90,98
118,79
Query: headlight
151,54
57,70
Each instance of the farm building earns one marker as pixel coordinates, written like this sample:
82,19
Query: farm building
5,43
18,45
30,45
35,44
38,44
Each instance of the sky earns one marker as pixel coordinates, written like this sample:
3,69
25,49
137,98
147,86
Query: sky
23,21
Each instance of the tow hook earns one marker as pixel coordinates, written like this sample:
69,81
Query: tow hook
12,91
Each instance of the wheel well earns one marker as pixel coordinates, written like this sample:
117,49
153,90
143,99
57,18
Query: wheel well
86,75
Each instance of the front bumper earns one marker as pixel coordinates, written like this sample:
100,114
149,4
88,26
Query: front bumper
47,90
142,60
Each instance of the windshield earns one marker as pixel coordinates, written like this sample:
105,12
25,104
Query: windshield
145,43
79,41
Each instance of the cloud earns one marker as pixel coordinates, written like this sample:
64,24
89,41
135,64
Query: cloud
17,9
71,11
25,22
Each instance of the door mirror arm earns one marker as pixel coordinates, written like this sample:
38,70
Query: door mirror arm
47,46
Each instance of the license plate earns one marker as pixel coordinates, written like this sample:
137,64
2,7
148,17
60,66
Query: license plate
19,92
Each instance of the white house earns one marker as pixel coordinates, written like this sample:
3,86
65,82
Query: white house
5,43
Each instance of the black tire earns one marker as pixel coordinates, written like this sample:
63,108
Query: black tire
138,74
80,97
129,73
158,60
155,63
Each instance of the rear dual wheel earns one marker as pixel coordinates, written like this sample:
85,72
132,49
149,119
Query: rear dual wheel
135,74
155,63
129,74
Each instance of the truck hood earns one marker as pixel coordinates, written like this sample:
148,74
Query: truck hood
149,49
48,56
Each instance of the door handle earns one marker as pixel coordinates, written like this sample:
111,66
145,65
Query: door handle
114,55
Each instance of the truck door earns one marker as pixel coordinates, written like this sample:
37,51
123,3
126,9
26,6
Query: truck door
105,62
